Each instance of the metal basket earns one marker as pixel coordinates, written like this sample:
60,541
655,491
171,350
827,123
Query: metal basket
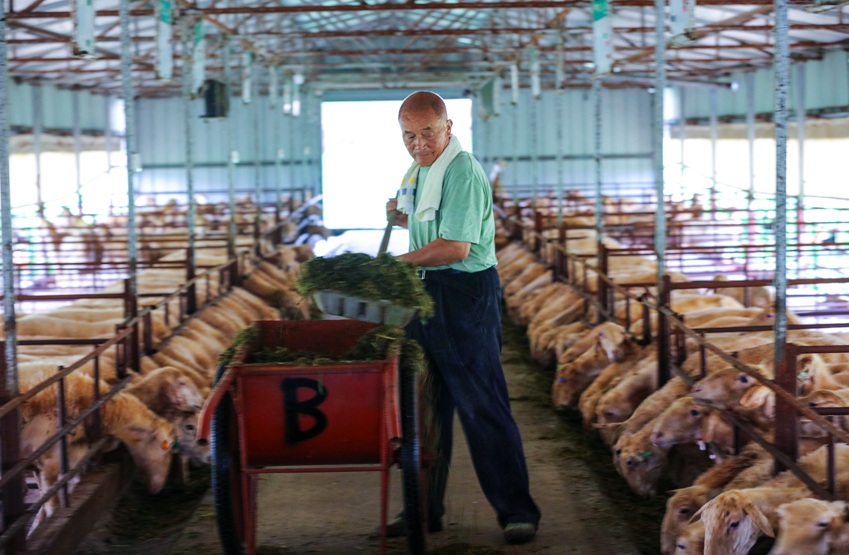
356,308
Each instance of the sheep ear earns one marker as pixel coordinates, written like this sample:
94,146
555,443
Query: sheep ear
697,516
760,519
755,397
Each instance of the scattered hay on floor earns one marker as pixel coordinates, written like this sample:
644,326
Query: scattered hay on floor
466,549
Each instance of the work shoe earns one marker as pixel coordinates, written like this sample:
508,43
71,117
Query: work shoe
397,527
519,532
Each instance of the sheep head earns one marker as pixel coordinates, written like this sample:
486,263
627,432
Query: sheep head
679,423
723,388
151,450
691,541
809,526
680,508
733,523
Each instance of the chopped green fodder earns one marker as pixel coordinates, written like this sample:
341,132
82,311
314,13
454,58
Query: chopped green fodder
246,336
380,343
360,275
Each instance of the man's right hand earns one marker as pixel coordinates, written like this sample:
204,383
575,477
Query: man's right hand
392,206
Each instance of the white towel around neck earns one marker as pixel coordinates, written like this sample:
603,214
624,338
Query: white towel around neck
432,192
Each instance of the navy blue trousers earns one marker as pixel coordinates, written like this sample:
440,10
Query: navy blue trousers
463,344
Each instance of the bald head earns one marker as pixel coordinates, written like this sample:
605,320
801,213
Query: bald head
425,127
424,101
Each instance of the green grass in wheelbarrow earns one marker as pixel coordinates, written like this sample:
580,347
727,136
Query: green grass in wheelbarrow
380,278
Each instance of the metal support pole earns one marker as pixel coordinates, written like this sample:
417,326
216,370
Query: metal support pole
801,120
257,174
750,133
231,171
714,138
660,215
12,497
533,105
782,79
682,130
515,157
107,132
188,37
558,99
75,109
37,131
278,179
130,142
291,158
599,203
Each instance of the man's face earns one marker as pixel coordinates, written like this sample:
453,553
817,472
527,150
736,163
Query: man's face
425,135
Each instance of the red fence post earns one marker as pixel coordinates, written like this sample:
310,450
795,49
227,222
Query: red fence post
785,414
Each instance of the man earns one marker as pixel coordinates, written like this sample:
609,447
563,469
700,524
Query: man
446,203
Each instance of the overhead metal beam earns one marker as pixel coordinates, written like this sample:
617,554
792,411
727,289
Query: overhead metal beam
374,8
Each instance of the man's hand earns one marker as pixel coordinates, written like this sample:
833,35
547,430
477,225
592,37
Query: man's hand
392,205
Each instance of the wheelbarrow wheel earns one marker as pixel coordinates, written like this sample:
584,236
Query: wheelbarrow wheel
414,500
226,478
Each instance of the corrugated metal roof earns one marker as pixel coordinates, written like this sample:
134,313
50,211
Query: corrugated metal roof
407,43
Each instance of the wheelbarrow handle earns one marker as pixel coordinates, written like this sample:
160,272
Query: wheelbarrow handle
384,243
221,388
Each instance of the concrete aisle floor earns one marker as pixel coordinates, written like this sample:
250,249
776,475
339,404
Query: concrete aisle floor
586,508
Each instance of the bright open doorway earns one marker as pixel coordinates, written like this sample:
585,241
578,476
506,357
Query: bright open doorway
364,159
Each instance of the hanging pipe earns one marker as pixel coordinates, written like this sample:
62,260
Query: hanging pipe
10,426
130,145
660,214
785,432
188,41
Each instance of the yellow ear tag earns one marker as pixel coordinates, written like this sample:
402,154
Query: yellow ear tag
165,446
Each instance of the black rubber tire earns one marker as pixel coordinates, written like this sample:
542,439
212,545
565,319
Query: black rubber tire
226,485
414,499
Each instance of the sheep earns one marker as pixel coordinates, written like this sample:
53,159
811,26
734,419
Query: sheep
680,508
757,295
813,527
167,391
691,541
619,402
609,377
819,399
148,437
681,422
735,519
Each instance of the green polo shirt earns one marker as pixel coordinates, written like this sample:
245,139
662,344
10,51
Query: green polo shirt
464,214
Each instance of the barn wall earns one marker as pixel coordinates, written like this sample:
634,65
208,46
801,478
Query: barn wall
626,132
827,87
258,133
57,107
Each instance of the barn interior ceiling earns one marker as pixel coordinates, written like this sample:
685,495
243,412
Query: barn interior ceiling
381,44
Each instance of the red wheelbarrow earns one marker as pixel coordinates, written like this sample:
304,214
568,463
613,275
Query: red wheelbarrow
280,418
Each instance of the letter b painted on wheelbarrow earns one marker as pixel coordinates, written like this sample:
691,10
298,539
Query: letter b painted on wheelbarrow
293,408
